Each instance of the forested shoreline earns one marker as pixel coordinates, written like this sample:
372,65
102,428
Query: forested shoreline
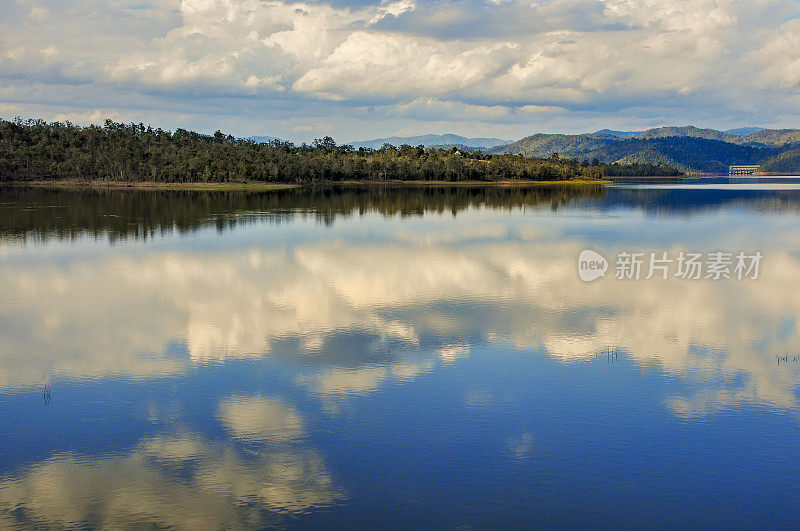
34,150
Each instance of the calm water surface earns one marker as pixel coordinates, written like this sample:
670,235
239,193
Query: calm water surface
397,358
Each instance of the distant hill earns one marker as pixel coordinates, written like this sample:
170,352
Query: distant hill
462,147
766,137
786,162
763,137
431,140
683,131
687,148
544,145
689,132
744,130
623,134
262,139
772,137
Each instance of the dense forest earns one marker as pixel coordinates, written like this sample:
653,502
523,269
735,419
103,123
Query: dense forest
786,162
34,150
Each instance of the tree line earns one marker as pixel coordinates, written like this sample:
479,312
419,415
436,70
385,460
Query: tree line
33,150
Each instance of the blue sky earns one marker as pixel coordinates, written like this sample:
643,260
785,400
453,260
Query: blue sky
360,69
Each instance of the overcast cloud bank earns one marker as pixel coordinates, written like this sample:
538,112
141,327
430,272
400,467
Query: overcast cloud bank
356,69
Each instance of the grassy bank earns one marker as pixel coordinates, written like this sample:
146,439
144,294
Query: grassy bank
122,185
263,187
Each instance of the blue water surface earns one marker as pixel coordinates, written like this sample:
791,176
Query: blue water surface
397,358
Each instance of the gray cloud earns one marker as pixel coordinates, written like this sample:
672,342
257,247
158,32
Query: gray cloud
301,69
482,19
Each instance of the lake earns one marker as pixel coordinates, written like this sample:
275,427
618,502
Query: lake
401,357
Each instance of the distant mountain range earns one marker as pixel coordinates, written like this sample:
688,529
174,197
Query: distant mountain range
262,139
687,148
737,131
432,140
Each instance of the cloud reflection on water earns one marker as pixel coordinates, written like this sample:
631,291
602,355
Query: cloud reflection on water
184,481
343,303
